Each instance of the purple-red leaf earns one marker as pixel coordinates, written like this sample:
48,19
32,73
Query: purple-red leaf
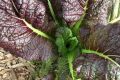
32,10
16,37
72,9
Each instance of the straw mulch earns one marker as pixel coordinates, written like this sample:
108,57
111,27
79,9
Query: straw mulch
12,68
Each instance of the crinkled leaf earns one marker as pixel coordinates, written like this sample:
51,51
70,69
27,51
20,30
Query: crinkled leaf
65,40
16,37
72,9
65,32
73,43
60,42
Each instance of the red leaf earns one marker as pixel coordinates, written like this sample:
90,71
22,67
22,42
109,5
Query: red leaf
14,34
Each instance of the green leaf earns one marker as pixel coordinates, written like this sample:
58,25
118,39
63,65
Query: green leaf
73,42
65,41
67,46
65,32
62,36
61,45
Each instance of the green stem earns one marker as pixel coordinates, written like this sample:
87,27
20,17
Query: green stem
115,20
85,51
70,57
115,8
70,60
52,12
115,14
36,30
77,25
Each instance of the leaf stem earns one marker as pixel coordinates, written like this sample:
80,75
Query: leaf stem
115,20
115,8
85,51
52,12
115,13
71,55
70,60
78,23
37,31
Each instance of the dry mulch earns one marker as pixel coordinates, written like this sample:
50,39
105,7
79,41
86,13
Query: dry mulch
12,68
